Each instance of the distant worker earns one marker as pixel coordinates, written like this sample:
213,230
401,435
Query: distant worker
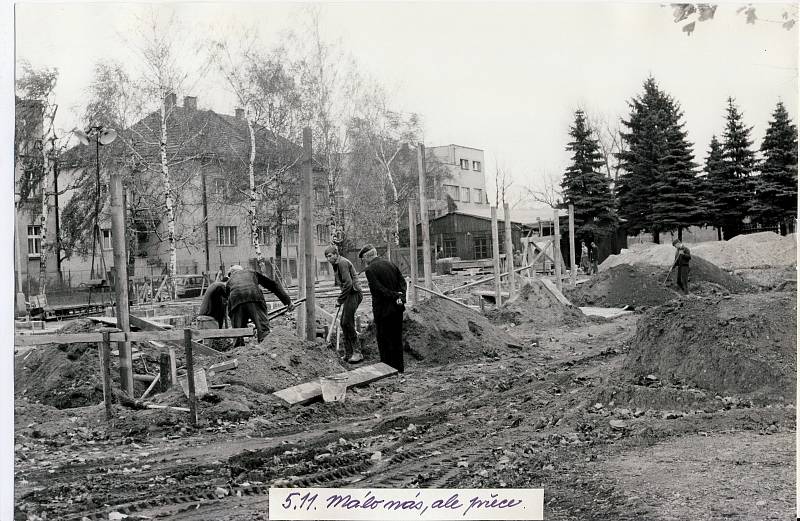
517,258
682,258
349,298
388,288
214,302
246,302
593,257
585,259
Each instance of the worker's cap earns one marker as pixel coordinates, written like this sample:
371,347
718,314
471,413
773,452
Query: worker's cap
332,249
235,267
364,250
676,241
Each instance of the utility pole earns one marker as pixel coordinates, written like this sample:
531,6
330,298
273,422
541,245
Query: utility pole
423,218
58,232
307,221
556,249
573,270
121,284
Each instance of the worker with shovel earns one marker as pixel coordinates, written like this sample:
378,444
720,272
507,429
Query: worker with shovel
682,258
349,298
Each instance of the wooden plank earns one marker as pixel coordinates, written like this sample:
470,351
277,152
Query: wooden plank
146,325
556,293
309,391
56,338
109,321
442,296
609,313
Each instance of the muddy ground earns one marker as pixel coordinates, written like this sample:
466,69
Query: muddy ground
557,412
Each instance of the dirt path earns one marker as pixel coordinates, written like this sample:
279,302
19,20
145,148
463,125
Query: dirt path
530,419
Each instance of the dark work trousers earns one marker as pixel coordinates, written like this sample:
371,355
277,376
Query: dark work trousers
389,334
683,279
255,311
348,322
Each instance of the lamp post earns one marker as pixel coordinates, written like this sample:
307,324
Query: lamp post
101,136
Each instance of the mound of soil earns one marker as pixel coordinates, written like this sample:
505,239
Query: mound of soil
758,250
281,360
62,375
437,331
620,286
737,345
700,270
535,303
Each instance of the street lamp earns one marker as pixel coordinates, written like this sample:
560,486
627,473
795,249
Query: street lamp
101,136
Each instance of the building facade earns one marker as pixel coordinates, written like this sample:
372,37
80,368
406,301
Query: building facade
466,183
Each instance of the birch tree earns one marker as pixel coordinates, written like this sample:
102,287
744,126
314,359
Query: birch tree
38,85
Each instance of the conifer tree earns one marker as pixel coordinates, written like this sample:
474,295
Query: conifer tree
713,182
585,186
776,186
733,193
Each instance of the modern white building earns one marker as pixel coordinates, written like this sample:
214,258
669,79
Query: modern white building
466,184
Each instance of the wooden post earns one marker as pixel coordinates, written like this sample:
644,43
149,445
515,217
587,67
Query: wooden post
308,225
121,284
557,249
173,367
509,249
164,368
187,340
412,250
573,269
105,360
496,256
423,217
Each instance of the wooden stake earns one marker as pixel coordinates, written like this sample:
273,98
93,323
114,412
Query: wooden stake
423,217
105,359
187,339
573,269
557,249
164,369
173,366
308,224
152,386
496,256
509,249
412,250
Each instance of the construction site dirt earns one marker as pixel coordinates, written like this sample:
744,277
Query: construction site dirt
677,413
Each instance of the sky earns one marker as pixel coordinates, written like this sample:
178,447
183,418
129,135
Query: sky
502,77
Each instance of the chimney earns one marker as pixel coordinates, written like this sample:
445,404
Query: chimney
239,113
170,101
190,102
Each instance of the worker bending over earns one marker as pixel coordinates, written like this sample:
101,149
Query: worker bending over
246,301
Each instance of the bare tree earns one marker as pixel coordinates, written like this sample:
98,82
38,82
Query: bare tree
502,182
608,132
547,190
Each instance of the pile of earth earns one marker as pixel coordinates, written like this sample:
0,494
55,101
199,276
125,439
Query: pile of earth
437,331
622,285
64,375
535,303
701,270
742,345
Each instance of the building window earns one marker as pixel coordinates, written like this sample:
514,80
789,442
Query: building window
320,196
34,241
291,234
449,247
226,235
323,234
476,165
452,191
465,164
218,187
106,238
465,195
478,195
482,245
262,232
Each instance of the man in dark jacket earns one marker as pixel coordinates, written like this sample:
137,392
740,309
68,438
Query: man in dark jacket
388,288
349,298
214,302
246,302
593,257
682,258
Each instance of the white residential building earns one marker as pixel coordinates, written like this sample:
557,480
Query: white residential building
467,182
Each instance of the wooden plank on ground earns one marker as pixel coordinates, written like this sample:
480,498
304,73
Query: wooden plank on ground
146,325
554,290
109,321
56,338
306,392
609,313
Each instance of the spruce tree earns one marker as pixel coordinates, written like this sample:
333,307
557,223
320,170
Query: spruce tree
639,162
734,196
714,182
585,186
776,186
677,203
